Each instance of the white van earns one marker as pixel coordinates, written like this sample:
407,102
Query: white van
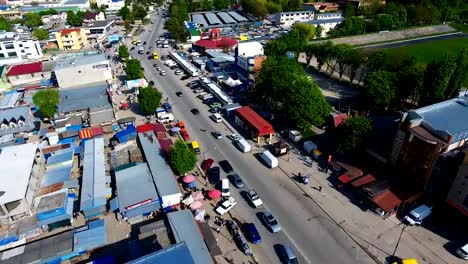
270,160
243,145
418,214
463,252
165,118
217,118
225,192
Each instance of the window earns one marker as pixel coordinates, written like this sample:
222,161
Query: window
12,54
2,55
9,46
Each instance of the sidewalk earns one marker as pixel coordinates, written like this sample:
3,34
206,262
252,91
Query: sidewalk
377,236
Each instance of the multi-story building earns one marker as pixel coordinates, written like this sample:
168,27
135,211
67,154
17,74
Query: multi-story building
98,30
10,14
111,5
327,21
287,19
72,39
427,148
458,193
320,7
16,49
249,57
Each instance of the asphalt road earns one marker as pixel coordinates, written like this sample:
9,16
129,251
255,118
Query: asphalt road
313,236
402,43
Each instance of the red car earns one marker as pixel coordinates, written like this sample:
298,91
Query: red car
184,134
206,164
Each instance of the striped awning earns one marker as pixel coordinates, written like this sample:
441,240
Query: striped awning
86,133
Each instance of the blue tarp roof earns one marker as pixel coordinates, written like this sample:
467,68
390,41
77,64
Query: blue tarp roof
130,129
177,253
93,237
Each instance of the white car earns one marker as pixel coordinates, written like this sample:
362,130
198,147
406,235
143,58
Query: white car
233,137
254,198
226,206
163,73
179,72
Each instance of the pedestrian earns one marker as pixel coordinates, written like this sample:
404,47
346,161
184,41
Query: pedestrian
320,188
218,229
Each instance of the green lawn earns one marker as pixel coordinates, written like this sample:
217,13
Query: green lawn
460,27
426,52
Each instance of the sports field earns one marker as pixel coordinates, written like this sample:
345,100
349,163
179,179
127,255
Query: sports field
428,51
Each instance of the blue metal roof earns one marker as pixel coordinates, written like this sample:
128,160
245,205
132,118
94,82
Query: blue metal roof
448,117
185,228
177,253
93,237
326,21
56,175
66,156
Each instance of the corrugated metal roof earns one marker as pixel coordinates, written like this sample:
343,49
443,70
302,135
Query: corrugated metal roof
64,157
212,19
199,19
14,115
177,253
93,187
363,180
92,238
226,18
254,121
9,100
237,16
184,228
56,175
163,177
134,177
84,97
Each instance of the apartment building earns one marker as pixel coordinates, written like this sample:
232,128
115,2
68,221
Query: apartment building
16,49
111,5
287,19
72,39
249,56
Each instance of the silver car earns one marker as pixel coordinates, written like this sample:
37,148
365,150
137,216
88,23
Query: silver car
271,223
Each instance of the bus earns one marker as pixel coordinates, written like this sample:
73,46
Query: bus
155,55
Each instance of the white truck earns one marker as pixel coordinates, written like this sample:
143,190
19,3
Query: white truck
254,198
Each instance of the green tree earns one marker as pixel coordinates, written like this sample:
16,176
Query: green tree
4,24
123,52
273,8
324,54
380,90
139,12
436,80
303,31
353,60
125,13
353,135
352,26
460,74
340,54
384,21
32,20
310,51
46,101
206,5
75,19
133,69
349,10
49,11
149,100
40,33
221,4
319,31
181,158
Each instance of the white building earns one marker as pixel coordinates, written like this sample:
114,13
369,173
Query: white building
246,53
327,21
98,30
287,19
111,5
15,49
82,70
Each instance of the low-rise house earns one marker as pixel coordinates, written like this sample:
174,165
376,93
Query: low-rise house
72,38
27,73
94,16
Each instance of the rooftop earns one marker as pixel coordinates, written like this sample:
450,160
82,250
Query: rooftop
9,100
163,177
14,115
134,177
77,61
177,253
23,69
184,228
18,159
83,97
254,121
99,24
67,31
448,117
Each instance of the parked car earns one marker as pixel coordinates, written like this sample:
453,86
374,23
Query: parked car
215,105
226,206
206,164
233,137
213,175
226,166
185,77
184,135
254,198
288,256
179,94
198,90
162,73
167,107
463,252
217,134
236,180
251,232
417,215
195,111
179,72
270,222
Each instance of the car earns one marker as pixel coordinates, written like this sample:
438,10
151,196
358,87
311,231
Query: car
254,198
195,111
198,90
206,164
287,255
226,206
185,77
233,137
251,232
144,43
236,180
167,106
155,65
270,222
179,72
132,48
192,83
160,46
213,175
162,73
226,166
215,105
147,53
159,69
151,83
184,134
161,38
217,134
179,94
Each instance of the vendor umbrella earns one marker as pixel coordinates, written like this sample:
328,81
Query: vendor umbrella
198,196
213,194
188,200
188,178
175,129
196,205
192,184
200,215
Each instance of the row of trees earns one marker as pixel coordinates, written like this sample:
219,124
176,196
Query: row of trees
133,69
178,11
261,8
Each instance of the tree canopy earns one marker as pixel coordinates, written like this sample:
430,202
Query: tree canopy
133,69
46,101
380,90
32,20
41,34
149,100
75,19
181,158
303,31
354,134
4,24
123,52
125,13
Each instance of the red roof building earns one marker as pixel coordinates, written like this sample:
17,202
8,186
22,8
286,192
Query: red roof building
23,69
69,30
252,122
216,41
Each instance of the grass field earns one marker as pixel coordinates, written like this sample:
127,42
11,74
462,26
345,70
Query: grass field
460,27
426,52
